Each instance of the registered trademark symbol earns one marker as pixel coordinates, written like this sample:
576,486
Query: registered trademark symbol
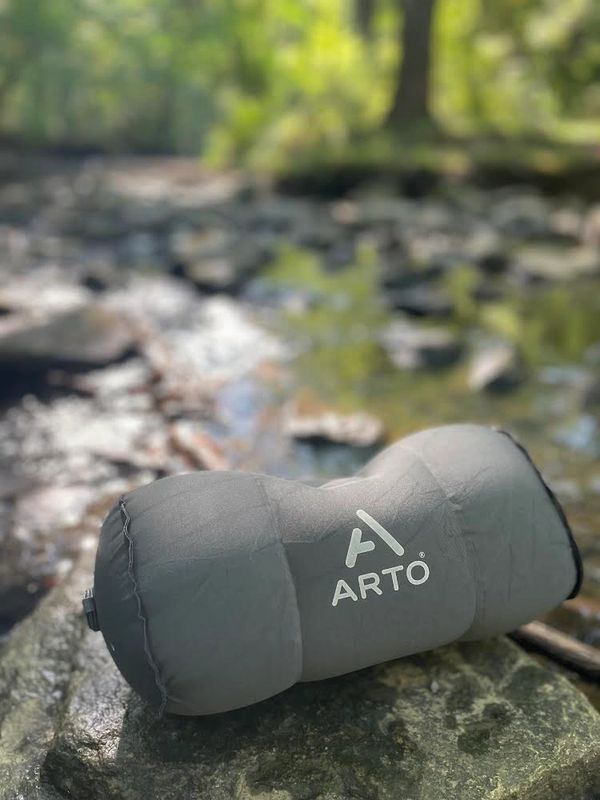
421,555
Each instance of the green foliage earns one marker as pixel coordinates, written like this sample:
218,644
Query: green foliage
267,82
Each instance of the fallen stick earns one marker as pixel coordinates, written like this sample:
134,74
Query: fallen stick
582,658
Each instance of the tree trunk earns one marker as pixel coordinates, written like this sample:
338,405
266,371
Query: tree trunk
410,103
364,11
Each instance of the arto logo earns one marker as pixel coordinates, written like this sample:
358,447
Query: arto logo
357,545
371,580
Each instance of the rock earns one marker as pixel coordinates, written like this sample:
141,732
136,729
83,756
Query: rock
422,300
484,248
371,211
35,670
275,215
591,226
484,717
357,430
36,349
487,292
215,260
496,367
41,294
557,263
432,249
80,338
521,214
211,276
37,544
567,224
410,346
398,274
340,254
316,233
347,213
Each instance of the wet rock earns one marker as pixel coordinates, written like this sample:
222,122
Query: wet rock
482,716
496,367
410,346
35,669
78,339
422,300
357,430
557,263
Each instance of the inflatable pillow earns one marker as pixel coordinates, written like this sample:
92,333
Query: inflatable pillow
214,590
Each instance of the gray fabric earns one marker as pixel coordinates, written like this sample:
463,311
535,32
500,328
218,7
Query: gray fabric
216,590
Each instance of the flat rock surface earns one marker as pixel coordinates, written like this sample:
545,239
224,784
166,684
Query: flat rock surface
474,720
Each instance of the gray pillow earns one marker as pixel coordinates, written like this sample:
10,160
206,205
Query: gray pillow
215,590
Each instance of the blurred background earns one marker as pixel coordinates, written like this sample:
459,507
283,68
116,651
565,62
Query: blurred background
274,236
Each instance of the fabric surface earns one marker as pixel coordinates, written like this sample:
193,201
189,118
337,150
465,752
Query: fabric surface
215,590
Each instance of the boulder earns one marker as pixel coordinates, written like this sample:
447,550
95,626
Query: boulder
479,721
